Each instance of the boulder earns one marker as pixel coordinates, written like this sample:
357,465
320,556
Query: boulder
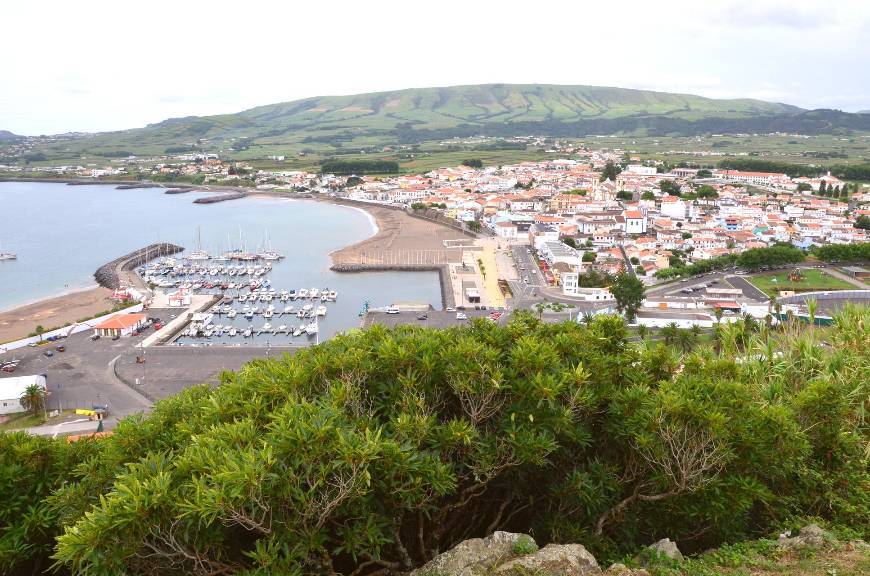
666,547
553,560
472,557
810,536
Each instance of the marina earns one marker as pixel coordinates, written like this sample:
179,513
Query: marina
62,233
247,307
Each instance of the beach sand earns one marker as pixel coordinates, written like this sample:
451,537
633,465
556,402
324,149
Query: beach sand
400,240
53,312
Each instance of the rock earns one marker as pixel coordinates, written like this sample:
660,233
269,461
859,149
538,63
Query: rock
553,560
472,557
666,547
810,536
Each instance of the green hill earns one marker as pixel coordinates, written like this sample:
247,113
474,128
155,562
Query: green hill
326,124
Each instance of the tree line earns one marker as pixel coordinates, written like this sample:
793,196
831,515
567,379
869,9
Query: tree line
346,167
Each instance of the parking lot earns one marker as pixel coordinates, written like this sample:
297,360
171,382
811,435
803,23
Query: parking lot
82,375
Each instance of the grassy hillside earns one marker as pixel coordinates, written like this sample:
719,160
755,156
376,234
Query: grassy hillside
329,125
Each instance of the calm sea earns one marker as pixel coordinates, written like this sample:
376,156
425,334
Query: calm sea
62,234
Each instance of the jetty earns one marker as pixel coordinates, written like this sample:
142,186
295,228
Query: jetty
223,197
137,185
109,275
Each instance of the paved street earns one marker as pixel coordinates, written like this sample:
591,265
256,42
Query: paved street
527,266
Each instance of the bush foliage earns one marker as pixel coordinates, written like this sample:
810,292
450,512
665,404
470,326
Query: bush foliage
381,448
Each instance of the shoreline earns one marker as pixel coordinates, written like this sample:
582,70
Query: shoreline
53,312
61,294
395,234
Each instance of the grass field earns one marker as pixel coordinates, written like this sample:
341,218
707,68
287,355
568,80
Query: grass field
814,280
22,421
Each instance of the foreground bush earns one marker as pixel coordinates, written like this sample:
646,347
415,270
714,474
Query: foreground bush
378,450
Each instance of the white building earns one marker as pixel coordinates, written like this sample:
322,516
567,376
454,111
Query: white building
11,390
507,230
673,207
642,170
570,288
635,222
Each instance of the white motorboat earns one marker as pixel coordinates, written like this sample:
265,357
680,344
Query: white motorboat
266,327
233,332
298,331
231,314
303,293
288,309
314,293
248,333
321,311
267,314
333,295
311,328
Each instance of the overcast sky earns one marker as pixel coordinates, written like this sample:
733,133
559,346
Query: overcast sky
95,66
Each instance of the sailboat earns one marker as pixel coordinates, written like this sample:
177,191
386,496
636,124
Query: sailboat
199,253
268,253
7,255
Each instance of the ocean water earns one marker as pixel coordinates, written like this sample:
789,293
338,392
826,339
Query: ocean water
62,234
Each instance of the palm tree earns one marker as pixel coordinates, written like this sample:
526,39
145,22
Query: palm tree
33,399
669,332
684,340
718,313
642,331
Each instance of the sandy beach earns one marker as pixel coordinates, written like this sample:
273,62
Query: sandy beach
53,312
400,240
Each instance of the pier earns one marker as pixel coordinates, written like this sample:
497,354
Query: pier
220,197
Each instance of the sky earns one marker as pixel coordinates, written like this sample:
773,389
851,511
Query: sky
96,65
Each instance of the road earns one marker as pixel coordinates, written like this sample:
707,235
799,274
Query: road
527,266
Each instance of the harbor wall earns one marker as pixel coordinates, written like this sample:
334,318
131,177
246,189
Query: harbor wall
107,274
68,330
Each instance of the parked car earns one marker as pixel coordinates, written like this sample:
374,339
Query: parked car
116,337
60,348
392,310
450,309
48,353
422,317
8,368
461,316
95,337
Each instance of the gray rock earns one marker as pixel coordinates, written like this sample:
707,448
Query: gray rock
667,547
810,536
472,557
553,560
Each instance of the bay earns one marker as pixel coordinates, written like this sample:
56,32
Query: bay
62,234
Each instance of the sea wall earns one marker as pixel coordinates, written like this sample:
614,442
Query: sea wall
107,274
447,299
220,197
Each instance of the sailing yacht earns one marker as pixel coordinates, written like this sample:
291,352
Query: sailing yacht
268,253
199,253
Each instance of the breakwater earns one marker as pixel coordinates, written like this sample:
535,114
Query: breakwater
137,185
220,198
447,299
108,275
180,190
